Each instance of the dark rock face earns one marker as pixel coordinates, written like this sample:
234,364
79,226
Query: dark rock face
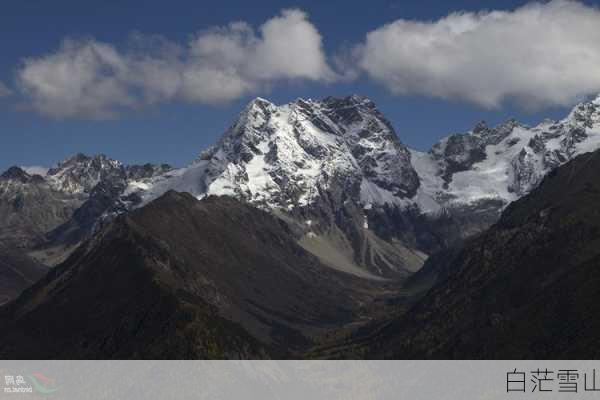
459,152
526,288
31,207
180,278
80,173
586,113
432,233
139,172
104,202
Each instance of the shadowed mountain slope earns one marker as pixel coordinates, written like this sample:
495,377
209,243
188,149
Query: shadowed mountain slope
182,278
17,272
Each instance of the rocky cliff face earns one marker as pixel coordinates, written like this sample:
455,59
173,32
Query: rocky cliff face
30,206
505,162
80,173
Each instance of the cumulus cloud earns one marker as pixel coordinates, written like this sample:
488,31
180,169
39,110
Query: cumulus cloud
4,90
228,62
83,78
87,78
540,54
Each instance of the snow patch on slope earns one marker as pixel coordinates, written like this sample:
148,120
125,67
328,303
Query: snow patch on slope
505,162
490,178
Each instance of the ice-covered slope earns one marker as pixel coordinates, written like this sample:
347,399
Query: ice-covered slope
507,161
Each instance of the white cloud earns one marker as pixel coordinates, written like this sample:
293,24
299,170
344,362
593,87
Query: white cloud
4,90
290,48
539,54
227,62
84,78
87,78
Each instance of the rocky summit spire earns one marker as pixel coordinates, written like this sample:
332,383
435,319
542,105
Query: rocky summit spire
80,173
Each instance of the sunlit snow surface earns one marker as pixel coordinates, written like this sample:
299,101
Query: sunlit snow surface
497,176
491,177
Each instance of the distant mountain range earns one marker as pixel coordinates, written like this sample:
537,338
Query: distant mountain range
319,241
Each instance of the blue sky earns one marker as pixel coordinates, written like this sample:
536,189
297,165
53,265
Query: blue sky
177,129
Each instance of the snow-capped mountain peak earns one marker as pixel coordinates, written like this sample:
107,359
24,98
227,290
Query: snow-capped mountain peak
505,162
81,173
287,156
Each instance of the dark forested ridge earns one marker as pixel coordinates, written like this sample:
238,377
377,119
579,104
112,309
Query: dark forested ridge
182,278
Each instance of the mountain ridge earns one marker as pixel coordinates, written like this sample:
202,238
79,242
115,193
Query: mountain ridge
337,170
